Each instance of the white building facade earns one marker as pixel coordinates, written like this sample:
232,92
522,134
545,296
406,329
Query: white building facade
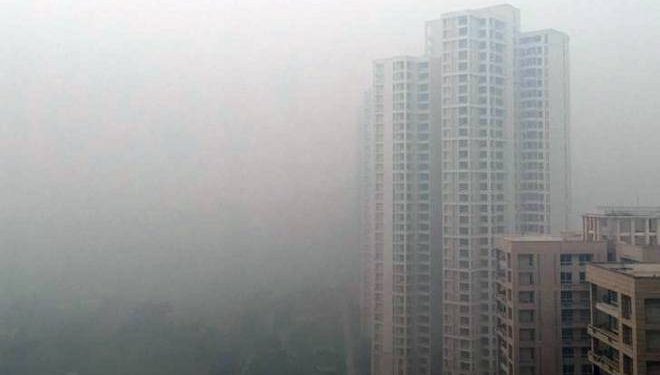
543,133
401,217
476,48
468,142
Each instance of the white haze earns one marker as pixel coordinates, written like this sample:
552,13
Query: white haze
162,145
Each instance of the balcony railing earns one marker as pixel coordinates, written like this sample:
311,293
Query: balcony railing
502,330
608,308
609,365
603,334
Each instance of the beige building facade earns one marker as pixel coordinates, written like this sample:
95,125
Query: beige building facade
542,301
625,318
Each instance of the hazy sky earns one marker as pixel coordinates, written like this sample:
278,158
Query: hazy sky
179,124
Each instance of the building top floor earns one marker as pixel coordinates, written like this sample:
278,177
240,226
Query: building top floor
633,270
496,11
625,211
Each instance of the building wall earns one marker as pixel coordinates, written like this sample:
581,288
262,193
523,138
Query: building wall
469,106
402,217
636,226
535,298
366,184
476,48
612,349
627,253
542,132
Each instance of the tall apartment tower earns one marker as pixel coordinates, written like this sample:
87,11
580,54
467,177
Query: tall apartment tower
477,71
543,167
366,183
402,213
543,304
468,143
505,158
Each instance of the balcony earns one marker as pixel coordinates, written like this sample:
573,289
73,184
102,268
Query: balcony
607,364
609,308
504,367
502,331
603,334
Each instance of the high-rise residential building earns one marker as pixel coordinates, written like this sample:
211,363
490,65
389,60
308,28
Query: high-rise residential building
625,314
401,215
468,142
543,167
620,226
366,177
476,50
543,304
505,159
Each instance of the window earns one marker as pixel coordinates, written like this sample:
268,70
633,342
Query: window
526,297
566,297
526,316
628,335
568,370
526,354
527,334
583,334
652,340
626,306
567,352
526,278
652,310
585,258
584,352
525,260
566,259
566,277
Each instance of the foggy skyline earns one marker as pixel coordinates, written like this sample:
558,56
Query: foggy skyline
150,126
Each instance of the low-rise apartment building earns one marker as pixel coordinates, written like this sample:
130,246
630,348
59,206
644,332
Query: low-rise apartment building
542,301
625,318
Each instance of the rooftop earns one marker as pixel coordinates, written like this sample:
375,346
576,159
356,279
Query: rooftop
568,236
492,10
652,211
532,238
636,270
